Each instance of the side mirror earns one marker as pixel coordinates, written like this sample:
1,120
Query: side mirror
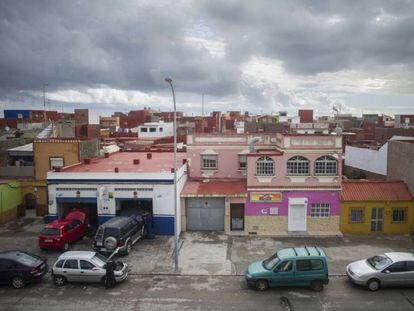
95,269
386,271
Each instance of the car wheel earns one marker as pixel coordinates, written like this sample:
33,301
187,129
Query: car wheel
59,280
316,286
18,282
373,285
66,246
128,248
262,285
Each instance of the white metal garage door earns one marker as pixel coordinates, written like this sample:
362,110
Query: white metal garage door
205,214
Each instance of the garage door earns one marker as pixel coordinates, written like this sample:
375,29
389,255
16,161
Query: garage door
205,214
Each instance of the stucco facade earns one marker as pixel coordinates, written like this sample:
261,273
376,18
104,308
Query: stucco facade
10,199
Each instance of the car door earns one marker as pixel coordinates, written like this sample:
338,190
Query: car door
71,270
89,272
395,274
6,273
283,274
77,229
410,272
308,270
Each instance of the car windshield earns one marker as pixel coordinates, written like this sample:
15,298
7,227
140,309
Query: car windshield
51,231
269,263
26,259
379,262
99,260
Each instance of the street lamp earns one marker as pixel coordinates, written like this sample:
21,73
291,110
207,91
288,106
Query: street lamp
169,81
44,101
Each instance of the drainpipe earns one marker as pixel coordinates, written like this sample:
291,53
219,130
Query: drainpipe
252,142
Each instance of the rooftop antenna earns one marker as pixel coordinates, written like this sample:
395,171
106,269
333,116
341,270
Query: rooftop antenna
202,104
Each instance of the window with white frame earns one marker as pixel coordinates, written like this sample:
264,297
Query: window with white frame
320,210
398,214
56,162
265,166
356,215
160,129
327,166
152,129
143,129
209,162
297,166
242,162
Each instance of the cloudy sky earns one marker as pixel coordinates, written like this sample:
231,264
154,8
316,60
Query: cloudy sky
259,56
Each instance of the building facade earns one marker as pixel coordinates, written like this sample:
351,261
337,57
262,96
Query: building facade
155,130
123,183
10,199
281,184
370,207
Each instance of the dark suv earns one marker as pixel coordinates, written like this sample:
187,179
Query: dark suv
120,231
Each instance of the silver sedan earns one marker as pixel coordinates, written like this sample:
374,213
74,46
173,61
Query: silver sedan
389,269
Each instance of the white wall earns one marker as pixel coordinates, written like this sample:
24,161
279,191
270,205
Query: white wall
367,159
167,130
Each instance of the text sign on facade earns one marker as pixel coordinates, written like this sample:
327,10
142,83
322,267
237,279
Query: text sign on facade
261,197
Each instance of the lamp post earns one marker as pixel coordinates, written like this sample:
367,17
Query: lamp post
169,81
44,101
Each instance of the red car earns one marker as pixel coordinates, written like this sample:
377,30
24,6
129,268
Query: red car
62,232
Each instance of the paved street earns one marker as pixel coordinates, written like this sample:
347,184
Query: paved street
199,293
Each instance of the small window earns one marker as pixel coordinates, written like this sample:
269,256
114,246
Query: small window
242,162
86,265
160,129
265,166
397,267
356,215
153,129
143,130
71,264
398,215
59,264
56,162
209,162
285,266
321,210
303,265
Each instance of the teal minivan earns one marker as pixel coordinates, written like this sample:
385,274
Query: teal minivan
297,266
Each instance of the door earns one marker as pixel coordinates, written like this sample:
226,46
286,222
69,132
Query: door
71,270
7,270
376,219
297,217
205,214
283,274
90,273
396,274
236,217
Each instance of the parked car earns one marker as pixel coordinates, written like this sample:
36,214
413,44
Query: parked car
120,231
389,269
61,232
297,266
18,268
85,266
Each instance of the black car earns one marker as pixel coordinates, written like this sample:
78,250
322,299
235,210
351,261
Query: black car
19,268
120,231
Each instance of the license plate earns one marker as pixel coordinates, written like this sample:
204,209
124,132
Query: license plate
99,243
48,240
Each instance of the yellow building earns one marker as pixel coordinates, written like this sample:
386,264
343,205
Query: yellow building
376,207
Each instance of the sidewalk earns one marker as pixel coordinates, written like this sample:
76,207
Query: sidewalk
212,253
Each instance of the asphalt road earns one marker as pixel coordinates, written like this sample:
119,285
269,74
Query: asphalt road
199,293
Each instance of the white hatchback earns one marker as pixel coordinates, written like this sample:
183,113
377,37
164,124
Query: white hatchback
84,266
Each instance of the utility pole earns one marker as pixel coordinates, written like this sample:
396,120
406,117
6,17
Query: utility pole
44,102
202,104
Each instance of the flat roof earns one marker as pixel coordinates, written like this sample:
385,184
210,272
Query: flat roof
124,161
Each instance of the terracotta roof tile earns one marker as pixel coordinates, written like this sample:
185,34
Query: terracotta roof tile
215,188
368,190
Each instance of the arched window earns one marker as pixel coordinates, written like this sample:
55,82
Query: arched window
265,166
326,165
297,166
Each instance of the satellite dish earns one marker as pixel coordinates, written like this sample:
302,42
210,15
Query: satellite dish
338,130
7,128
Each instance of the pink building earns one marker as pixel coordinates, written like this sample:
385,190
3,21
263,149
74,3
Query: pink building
266,184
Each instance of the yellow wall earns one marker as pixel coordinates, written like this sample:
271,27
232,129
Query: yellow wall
388,227
44,150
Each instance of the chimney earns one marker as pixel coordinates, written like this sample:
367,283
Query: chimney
87,161
106,154
136,161
116,170
149,155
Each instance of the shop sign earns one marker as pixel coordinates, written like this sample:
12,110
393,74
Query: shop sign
263,197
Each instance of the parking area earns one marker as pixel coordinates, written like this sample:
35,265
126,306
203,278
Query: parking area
211,253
